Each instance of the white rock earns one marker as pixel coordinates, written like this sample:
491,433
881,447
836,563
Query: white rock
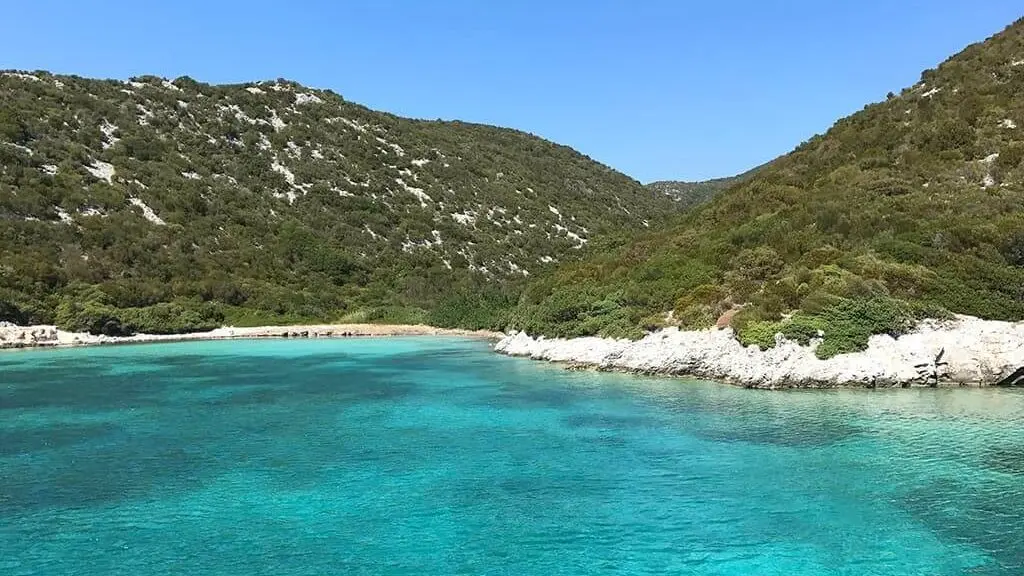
108,131
420,195
22,76
464,218
304,98
64,216
102,170
147,212
976,352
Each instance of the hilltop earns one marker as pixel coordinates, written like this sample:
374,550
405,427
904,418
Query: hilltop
691,194
170,206
910,208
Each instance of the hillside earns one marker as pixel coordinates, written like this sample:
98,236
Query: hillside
909,208
170,206
690,194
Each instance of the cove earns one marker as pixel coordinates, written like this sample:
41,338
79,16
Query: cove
437,456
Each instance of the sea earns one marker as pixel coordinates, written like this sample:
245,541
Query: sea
434,455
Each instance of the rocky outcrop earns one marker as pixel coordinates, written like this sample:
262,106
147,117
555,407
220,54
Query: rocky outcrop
964,351
12,336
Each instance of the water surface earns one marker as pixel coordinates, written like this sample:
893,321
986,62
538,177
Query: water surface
434,456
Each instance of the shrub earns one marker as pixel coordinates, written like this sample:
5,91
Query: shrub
760,333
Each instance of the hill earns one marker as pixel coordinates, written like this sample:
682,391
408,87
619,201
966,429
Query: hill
690,194
910,208
164,205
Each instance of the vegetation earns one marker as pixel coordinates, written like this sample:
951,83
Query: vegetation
910,208
691,194
175,206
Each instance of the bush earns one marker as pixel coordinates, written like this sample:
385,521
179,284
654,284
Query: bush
844,325
166,318
760,333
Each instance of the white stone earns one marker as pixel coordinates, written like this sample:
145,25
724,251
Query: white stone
147,212
464,218
64,216
417,192
398,150
23,76
108,131
303,98
102,170
975,352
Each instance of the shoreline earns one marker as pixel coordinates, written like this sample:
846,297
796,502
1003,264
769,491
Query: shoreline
48,336
966,351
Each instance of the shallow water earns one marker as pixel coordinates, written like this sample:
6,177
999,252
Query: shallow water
434,456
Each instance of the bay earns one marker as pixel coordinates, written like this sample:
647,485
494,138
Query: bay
436,456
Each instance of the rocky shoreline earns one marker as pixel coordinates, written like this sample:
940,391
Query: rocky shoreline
965,351
43,336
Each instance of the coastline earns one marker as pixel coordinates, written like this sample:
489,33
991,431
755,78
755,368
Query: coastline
966,351
47,336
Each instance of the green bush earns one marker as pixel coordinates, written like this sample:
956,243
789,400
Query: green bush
760,333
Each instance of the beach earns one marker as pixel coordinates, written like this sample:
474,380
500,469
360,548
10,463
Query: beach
48,336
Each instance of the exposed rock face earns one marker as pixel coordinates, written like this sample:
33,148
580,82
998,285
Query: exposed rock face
12,336
965,351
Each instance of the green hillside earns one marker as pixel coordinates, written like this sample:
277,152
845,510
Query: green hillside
912,207
691,194
167,206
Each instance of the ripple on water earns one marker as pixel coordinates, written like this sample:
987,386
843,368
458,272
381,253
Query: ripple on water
432,456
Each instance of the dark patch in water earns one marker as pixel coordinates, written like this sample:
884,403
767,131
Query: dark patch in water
611,421
795,433
52,436
1005,459
989,517
109,474
514,395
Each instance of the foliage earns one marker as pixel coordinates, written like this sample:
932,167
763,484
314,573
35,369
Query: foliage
691,194
272,202
909,208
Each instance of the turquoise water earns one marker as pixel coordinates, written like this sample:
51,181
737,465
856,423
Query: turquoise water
434,456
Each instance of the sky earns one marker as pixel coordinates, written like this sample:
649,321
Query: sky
658,89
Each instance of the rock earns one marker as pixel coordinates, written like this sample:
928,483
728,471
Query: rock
965,351
725,320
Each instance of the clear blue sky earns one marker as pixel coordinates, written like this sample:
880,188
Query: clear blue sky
658,89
